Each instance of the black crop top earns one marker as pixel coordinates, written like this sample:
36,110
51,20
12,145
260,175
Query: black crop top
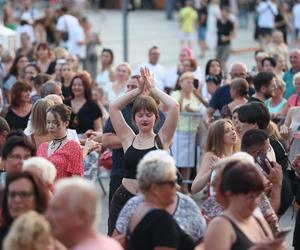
132,157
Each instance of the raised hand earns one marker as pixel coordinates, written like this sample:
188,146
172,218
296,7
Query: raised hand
148,77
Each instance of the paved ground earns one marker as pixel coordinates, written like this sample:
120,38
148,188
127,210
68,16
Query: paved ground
147,28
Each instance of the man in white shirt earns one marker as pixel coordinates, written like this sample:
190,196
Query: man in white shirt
296,20
71,34
153,65
267,10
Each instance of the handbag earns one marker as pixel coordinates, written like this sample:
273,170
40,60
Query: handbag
105,160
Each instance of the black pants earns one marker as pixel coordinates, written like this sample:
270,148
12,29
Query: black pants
121,196
114,184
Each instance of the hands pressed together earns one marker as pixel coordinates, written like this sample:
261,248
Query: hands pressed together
146,80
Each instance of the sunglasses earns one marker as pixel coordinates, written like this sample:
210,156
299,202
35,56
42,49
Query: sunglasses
177,181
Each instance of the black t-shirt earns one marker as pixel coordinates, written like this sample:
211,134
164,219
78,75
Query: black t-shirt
158,228
202,16
85,117
224,29
16,122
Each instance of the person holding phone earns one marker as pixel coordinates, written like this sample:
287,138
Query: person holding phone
183,147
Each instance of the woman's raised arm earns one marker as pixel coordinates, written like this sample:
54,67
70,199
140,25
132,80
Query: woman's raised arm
169,127
123,131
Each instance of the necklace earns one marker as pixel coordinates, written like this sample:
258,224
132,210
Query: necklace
56,143
141,141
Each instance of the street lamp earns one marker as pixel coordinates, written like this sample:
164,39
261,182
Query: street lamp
125,30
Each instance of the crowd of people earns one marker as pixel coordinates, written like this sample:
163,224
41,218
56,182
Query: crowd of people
229,135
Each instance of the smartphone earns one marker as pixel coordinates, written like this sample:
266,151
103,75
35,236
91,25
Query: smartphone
196,83
283,233
260,159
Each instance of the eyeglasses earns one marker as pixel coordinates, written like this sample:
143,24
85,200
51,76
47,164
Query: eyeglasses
18,157
172,184
23,194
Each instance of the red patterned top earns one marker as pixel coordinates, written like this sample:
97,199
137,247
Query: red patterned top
68,160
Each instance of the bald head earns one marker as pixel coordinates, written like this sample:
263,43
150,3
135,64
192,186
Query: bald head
238,70
295,59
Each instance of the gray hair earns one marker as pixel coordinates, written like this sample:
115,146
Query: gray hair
240,64
81,195
153,168
49,88
44,168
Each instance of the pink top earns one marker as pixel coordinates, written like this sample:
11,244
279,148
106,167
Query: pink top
68,160
294,100
101,242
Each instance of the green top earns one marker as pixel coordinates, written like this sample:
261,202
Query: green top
276,109
288,78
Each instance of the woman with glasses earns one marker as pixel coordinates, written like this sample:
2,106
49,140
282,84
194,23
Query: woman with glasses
151,226
23,192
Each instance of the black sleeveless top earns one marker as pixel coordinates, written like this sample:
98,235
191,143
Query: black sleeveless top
133,155
242,242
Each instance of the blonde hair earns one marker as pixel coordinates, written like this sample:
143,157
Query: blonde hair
38,116
30,231
296,76
280,84
44,168
127,66
61,53
186,75
272,130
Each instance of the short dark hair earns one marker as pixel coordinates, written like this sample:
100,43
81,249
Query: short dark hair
17,141
255,112
253,138
40,192
152,48
271,60
262,79
240,178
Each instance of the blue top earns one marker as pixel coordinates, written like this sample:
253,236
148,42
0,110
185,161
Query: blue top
222,97
118,154
276,109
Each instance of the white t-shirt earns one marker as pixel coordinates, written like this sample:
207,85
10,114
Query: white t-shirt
70,24
266,14
296,15
77,35
158,71
27,28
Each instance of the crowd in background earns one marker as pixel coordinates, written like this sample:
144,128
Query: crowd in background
229,134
